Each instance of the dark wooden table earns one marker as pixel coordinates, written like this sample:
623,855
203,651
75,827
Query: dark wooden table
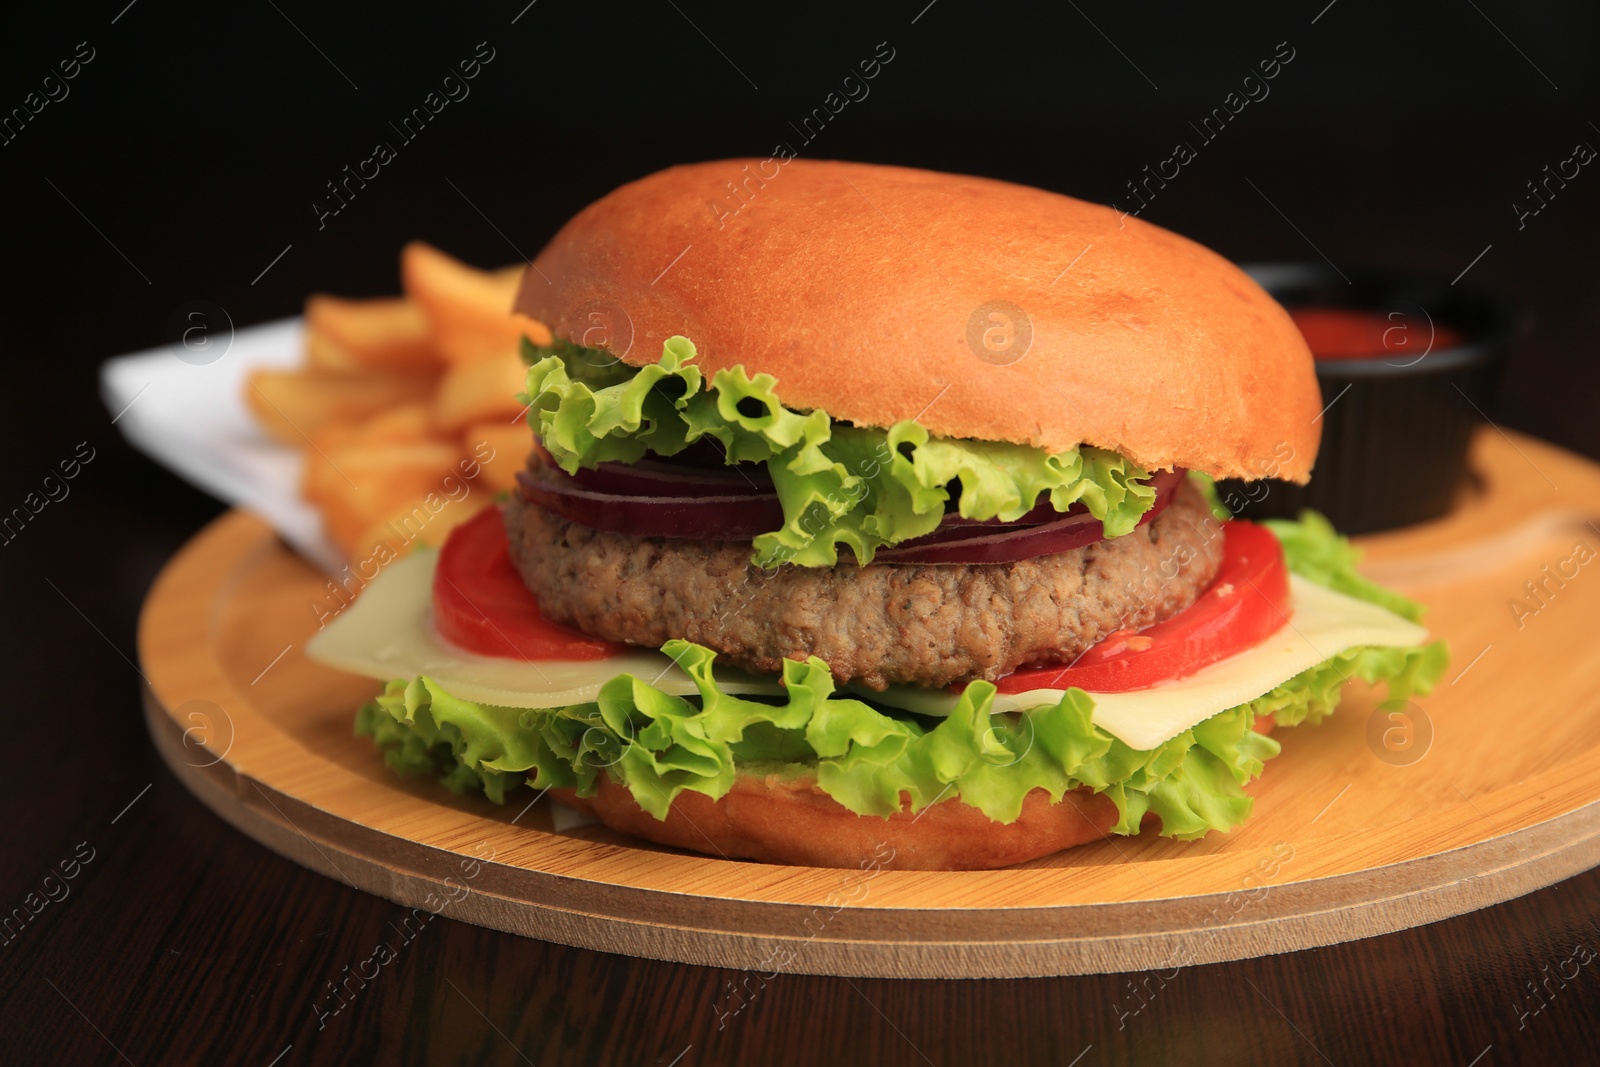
186,158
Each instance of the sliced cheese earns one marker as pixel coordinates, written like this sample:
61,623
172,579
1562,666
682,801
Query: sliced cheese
388,633
1321,625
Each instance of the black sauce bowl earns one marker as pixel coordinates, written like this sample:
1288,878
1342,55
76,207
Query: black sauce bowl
1396,427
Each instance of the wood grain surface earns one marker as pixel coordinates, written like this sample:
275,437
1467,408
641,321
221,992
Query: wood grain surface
1350,838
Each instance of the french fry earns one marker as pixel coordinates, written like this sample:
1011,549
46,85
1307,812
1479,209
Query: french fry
403,531
358,486
470,341
406,412
403,424
319,469
480,392
468,310
502,450
342,521
338,448
355,335
293,405
438,281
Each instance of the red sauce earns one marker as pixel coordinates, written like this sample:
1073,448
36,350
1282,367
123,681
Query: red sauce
481,605
1351,333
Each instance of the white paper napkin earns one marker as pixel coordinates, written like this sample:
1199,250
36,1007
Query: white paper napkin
193,420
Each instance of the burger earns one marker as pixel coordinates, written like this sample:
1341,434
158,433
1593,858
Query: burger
877,518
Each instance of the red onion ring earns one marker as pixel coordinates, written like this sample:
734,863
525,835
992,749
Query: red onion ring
704,517
647,478
661,476
1038,516
969,546
651,499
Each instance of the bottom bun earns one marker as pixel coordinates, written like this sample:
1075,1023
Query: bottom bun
789,819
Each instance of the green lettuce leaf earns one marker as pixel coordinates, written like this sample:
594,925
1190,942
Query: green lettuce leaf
1313,549
838,484
1208,489
872,761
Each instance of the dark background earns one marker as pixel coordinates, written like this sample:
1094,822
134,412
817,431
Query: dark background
187,156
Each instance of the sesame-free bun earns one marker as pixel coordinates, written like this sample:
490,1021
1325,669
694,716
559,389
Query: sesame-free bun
778,820
883,293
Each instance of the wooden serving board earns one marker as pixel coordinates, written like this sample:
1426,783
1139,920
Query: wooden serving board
1354,834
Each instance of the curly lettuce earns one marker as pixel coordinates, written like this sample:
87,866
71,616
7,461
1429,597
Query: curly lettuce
872,761
1316,551
877,761
838,484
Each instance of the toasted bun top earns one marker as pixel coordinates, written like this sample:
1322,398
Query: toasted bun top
979,308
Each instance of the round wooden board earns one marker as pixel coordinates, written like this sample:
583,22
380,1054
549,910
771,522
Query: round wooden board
1343,844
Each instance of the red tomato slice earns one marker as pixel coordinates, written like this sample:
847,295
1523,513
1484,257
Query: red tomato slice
1246,604
481,605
